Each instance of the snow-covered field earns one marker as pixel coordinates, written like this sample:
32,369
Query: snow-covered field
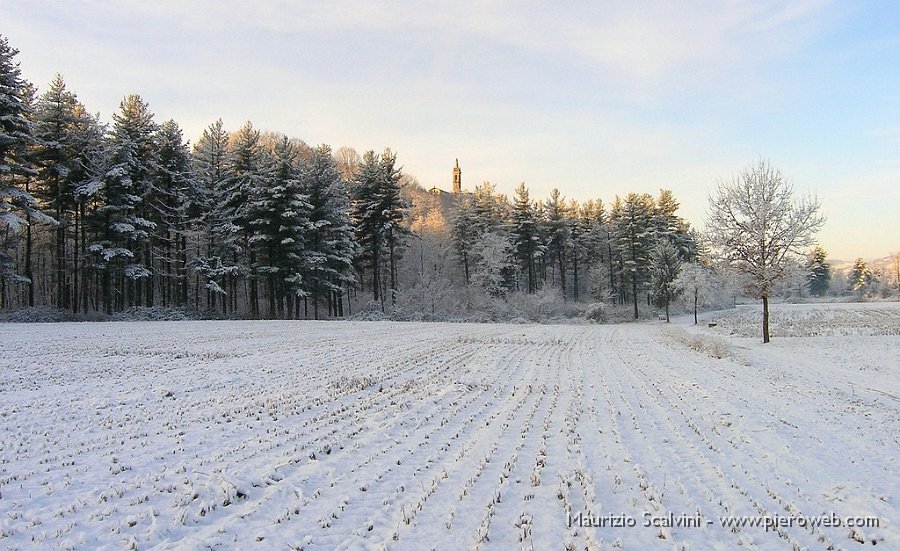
279,435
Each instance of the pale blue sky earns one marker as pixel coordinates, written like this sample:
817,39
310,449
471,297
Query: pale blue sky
595,98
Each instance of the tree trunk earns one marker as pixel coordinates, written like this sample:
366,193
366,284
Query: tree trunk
667,311
62,292
75,264
634,293
28,271
765,328
575,276
696,293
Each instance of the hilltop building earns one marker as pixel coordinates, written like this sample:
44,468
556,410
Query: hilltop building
447,198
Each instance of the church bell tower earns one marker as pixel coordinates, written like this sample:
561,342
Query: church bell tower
457,178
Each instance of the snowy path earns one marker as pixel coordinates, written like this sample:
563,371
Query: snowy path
448,436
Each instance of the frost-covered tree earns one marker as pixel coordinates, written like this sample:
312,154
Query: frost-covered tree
818,272
634,236
393,212
378,211
18,208
664,273
895,267
673,228
524,233
210,216
62,147
278,216
464,233
694,280
121,222
760,228
174,189
496,263
249,165
330,243
366,218
860,277
556,224
586,223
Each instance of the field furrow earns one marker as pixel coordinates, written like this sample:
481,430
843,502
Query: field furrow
303,435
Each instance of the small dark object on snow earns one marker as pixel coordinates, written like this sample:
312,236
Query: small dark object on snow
713,324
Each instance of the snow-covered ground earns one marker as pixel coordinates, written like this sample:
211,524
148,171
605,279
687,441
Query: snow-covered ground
279,435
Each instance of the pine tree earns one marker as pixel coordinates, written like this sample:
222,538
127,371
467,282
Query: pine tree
278,214
633,233
589,251
393,212
524,232
671,227
211,218
464,233
818,272
18,208
174,189
61,159
665,270
366,217
860,277
248,166
134,162
377,211
88,136
330,242
556,223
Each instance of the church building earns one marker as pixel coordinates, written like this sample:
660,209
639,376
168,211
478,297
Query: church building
457,185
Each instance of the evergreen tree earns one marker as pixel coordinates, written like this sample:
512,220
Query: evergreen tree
818,272
174,189
588,242
377,211
209,213
18,208
330,242
633,232
278,214
122,174
491,210
393,212
525,235
134,158
464,233
665,271
860,277
556,223
61,159
366,218
671,227
248,167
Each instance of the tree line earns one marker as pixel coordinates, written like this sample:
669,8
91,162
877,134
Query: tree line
101,217
621,252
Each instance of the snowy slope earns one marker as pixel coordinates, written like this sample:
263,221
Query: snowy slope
278,435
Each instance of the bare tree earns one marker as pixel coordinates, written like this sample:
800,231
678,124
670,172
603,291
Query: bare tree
694,280
760,228
347,160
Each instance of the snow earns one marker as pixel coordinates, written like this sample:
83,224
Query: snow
338,435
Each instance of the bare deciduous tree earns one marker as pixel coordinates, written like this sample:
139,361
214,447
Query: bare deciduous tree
347,160
760,228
